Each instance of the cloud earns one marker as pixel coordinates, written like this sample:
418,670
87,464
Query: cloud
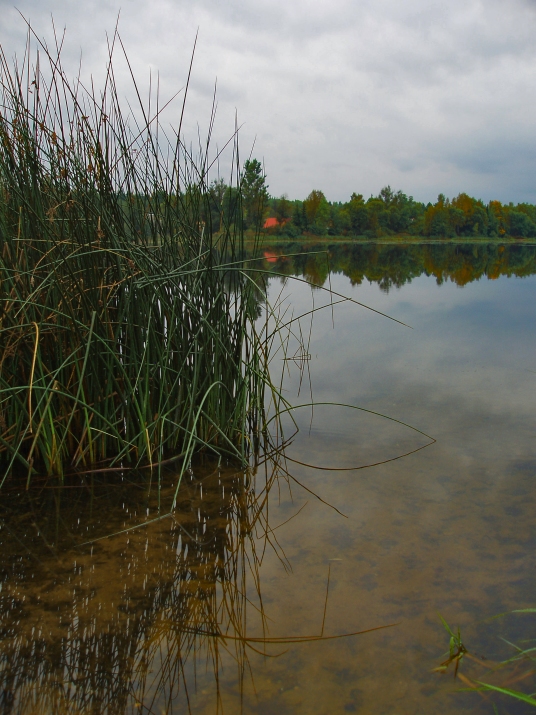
424,95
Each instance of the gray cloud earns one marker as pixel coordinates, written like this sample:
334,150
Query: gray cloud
425,95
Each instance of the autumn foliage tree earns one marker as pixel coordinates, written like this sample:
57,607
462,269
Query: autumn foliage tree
389,213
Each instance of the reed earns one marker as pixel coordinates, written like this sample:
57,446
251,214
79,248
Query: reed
127,324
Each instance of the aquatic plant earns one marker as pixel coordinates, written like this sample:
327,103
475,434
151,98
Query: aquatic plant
514,670
127,323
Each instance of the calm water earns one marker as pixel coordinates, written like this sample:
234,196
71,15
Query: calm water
127,624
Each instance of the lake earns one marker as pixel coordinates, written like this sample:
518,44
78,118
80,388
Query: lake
230,605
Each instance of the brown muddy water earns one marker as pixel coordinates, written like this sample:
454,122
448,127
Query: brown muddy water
199,612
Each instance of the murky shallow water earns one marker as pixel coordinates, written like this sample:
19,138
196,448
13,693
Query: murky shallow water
126,624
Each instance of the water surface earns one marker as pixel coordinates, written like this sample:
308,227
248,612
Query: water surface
129,623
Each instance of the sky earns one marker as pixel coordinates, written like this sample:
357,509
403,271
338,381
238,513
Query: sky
426,96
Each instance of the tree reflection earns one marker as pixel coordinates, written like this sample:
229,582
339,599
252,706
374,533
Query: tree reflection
392,266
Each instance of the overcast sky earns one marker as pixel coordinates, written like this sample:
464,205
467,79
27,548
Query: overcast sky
427,96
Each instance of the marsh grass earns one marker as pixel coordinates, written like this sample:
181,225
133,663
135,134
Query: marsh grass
127,324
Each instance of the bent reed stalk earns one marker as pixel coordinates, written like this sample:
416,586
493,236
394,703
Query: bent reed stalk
127,332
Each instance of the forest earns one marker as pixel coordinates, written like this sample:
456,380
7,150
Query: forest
390,213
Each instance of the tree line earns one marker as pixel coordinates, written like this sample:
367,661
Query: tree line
392,213
388,213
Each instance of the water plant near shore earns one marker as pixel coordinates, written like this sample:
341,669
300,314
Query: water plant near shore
517,669
127,327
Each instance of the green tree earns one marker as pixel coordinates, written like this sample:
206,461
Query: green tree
387,196
282,208
521,225
254,191
299,217
436,218
378,216
358,214
216,196
230,201
339,219
317,211
456,219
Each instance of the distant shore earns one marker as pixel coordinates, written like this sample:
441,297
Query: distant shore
273,240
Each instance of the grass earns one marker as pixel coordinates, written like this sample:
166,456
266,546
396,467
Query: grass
127,325
516,670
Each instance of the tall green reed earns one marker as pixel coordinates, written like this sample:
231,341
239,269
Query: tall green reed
127,327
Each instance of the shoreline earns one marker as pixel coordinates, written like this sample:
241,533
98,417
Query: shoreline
267,240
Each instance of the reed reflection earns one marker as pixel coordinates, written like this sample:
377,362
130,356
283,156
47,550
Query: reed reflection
120,624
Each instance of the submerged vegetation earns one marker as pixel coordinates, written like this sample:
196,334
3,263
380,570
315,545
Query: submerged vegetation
127,327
